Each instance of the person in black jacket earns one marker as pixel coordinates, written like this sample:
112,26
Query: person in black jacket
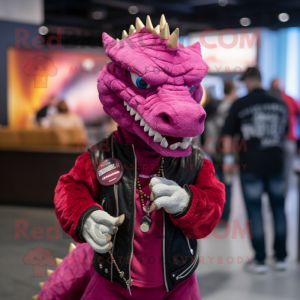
261,121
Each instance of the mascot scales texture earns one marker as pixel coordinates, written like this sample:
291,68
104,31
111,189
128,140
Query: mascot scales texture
137,202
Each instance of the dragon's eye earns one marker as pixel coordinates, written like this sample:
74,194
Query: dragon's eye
139,82
191,89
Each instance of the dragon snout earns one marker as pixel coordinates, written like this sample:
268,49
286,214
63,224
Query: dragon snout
202,117
187,119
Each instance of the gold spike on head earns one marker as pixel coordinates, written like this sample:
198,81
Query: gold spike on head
131,30
72,247
156,30
149,25
124,34
49,272
139,25
173,40
165,32
162,22
58,261
41,284
117,39
35,297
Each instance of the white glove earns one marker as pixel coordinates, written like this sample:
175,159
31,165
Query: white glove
167,194
98,229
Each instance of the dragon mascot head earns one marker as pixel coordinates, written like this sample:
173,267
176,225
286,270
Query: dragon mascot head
151,86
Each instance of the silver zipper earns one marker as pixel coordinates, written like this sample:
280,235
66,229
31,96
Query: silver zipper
131,255
102,203
191,249
188,270
164,248
113,247
164,236
117,214
188,242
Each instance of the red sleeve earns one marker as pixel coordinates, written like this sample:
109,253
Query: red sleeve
75,193
206,207
292,104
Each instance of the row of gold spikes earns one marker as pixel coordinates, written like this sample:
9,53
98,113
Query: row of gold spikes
162,29
49,272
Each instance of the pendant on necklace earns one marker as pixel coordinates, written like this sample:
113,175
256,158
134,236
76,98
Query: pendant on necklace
146,223
146,209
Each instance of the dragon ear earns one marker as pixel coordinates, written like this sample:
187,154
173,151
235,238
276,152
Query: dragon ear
108,40
195,47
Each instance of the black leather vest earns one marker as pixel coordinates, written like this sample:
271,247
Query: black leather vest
119,199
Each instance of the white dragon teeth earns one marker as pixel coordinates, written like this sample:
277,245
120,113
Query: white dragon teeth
137,117
146,128
142,123
175,146
151,132
187,139
157,138
132,112
164,143
184,145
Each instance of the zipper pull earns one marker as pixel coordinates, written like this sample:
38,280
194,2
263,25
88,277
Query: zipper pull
128,287
129,283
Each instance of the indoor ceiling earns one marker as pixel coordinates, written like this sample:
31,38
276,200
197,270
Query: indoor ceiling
83,22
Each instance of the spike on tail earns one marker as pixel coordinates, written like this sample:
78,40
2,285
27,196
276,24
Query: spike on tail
58,261
72,247
49,272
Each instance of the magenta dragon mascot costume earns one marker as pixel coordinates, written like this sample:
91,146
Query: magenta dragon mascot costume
137,201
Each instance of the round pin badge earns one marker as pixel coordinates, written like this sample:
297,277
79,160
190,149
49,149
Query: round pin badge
110,171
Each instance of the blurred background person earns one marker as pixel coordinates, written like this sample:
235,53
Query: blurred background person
65,119
212,135
290,144
261,120
44,115
210,105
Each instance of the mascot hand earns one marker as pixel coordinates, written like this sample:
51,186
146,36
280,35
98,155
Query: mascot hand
167,194
98,229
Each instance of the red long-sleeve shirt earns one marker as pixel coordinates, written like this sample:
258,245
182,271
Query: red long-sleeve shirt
294,112
79,190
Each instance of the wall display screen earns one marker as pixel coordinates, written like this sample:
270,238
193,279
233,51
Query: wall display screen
228,50
34,76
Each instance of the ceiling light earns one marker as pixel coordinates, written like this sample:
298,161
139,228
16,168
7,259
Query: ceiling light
43,30
223,2
98,15
245,21
284,17
133,10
